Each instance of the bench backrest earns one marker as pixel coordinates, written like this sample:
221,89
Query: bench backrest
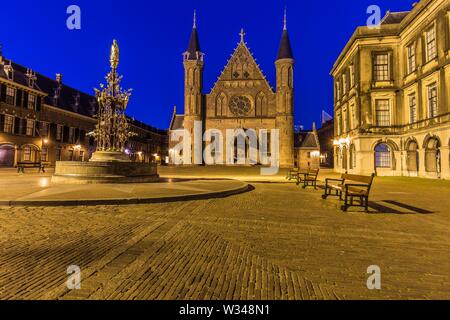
313,173
359,179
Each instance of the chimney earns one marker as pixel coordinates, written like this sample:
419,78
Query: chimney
1,53
59,78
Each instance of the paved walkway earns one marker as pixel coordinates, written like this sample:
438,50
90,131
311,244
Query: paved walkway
275,242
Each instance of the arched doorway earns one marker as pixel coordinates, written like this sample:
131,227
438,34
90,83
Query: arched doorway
7,154
412,157
433,155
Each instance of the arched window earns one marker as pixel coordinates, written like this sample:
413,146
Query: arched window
221,105
433,155
352,157
383,156
412,157
261,105
344,158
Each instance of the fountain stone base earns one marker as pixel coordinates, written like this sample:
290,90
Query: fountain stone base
105,167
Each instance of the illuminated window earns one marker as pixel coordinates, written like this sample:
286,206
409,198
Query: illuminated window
31,101
432,101
9,122
430,38
411,55
10,95
30,127
383,158
381,67
27,153
412,108
383,117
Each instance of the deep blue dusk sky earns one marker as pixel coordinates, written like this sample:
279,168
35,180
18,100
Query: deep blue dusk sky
153,34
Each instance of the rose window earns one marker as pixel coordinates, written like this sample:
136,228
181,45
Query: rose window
240,105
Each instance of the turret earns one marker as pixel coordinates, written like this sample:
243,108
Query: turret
285,98
193,82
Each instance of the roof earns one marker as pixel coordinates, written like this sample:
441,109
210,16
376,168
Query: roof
306,139
177,122
194,45
57,94
394,24
285,50
62,96
394,17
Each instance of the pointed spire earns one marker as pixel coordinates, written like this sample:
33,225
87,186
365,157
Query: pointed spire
195,20
194,43
285,50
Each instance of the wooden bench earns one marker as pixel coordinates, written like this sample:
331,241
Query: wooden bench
22,165
292,174
309,178
349,187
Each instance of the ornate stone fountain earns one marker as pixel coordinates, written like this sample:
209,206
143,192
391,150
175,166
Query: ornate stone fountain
109,163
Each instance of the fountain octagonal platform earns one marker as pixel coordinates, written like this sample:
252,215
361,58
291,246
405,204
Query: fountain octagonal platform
96,172
37,190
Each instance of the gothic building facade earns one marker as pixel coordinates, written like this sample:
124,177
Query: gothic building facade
241,98
392,95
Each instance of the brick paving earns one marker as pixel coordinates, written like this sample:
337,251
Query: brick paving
275,242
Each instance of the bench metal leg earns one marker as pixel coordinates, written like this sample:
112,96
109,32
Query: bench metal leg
325,195
345,206
366,204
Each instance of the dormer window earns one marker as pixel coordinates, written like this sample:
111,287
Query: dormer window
31,78
9,71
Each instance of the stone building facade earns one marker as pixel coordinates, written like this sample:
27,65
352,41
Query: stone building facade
326,137
241,98
307,149
42,119
392,95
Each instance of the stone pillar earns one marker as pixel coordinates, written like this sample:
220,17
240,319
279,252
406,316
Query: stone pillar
398,163
366,163
445,162
17,155
421,172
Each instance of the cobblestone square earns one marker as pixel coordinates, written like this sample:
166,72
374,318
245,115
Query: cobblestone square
277,241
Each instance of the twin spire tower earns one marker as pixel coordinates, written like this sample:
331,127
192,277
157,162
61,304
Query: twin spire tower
242,85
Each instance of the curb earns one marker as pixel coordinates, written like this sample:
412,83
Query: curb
125,201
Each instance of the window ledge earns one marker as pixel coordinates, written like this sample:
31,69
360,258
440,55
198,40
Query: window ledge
433,63
382,84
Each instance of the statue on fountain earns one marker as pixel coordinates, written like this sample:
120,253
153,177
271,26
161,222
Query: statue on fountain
112,130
